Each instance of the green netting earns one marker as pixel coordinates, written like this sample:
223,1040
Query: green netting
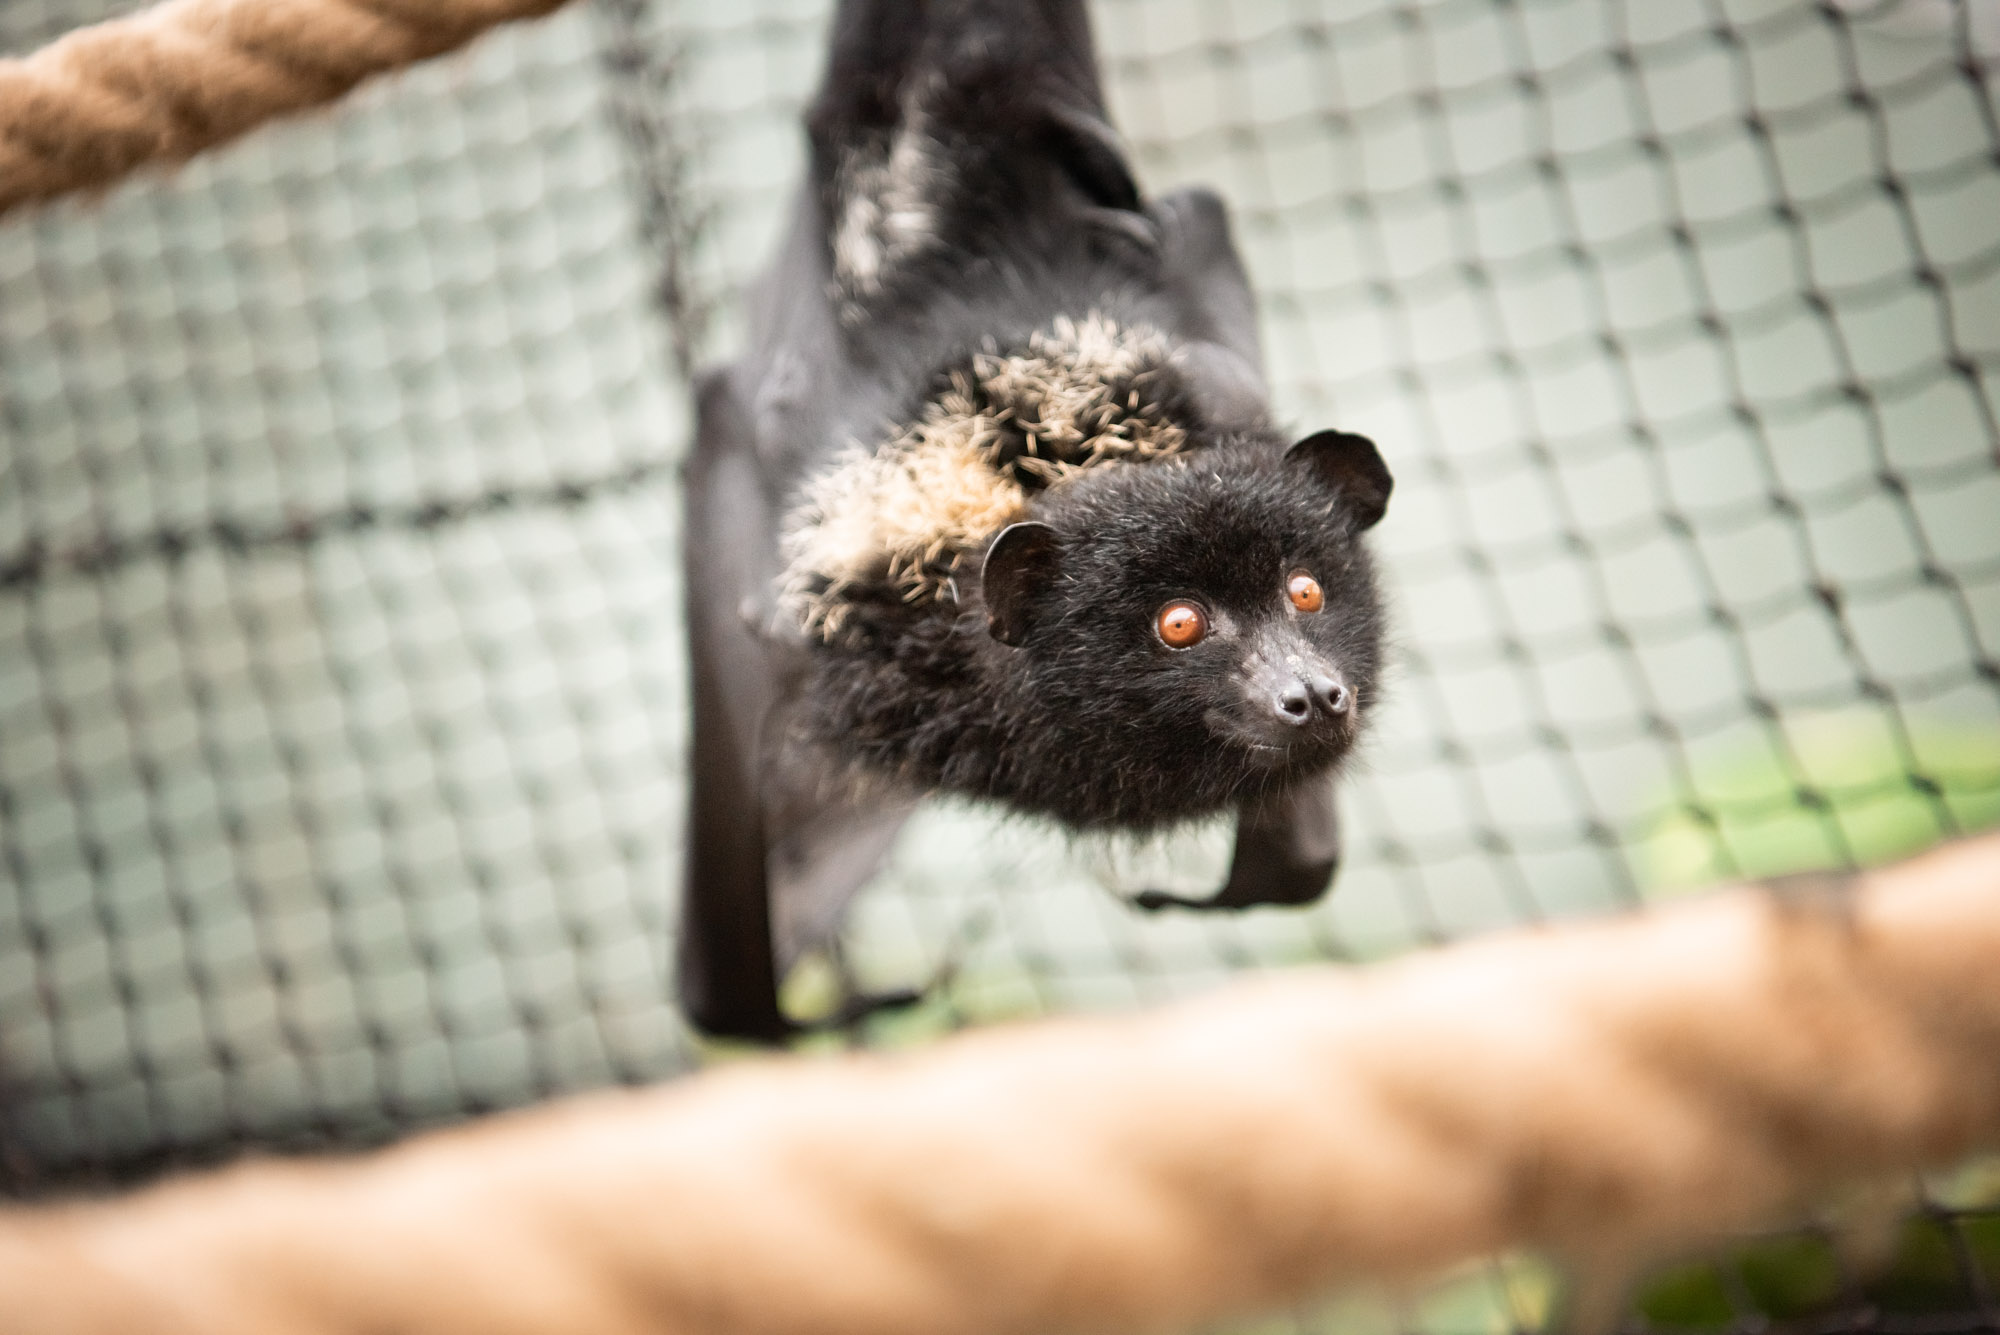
341,694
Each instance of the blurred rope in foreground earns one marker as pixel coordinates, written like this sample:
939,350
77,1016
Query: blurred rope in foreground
186,75
1606,1091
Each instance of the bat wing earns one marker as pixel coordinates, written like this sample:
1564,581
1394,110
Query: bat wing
776,846
826,841
727,973
1213,310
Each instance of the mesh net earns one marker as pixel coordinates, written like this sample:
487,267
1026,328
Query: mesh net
341,697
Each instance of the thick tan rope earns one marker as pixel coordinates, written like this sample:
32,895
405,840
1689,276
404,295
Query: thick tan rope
186,75
1602,1090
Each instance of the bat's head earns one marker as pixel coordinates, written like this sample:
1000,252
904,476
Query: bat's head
1197,628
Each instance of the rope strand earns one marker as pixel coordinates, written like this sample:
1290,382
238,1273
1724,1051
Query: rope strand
1606,1091
187,75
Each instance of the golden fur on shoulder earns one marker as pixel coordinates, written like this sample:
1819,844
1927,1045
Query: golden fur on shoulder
903,511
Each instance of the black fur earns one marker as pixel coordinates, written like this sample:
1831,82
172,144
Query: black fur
965,193
1092,720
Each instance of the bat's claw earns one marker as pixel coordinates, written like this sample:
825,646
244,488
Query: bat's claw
769,625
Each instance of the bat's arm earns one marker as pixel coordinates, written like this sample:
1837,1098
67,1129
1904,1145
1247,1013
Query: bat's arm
1287,850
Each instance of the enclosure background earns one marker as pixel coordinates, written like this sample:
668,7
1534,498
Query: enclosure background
342,707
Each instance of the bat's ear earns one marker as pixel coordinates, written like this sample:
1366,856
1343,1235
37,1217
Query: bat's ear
1021,562
1351,466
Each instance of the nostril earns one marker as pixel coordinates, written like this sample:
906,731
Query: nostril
1332,693
1294,704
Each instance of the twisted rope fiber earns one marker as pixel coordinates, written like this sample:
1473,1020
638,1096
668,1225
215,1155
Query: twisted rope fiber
186,75
1607,1091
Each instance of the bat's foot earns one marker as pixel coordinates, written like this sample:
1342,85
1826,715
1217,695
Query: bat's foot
861,1006
1152,901
1286,885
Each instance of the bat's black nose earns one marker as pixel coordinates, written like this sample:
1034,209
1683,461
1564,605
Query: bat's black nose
1330,693
1298,700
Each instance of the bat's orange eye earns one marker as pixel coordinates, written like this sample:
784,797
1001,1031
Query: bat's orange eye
1182,625
1305,592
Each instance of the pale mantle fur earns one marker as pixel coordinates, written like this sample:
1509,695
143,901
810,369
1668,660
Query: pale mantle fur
904,510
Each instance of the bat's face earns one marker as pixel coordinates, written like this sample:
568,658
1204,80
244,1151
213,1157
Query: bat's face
1201,626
